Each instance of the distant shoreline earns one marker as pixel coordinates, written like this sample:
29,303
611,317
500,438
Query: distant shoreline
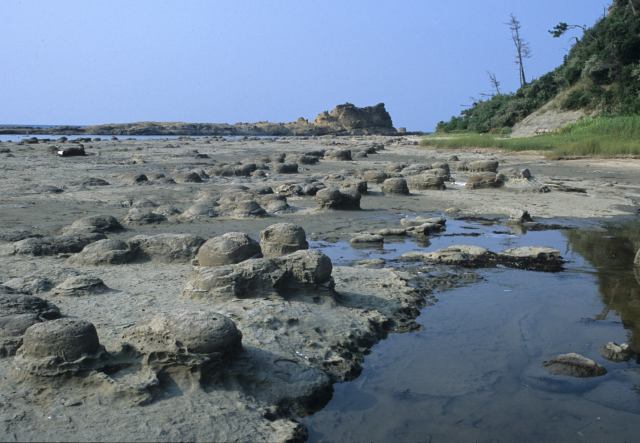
346,119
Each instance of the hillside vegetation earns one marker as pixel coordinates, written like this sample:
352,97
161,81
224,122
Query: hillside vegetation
602,136
600,74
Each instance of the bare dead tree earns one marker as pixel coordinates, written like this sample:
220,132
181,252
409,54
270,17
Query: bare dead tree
494,82
523,50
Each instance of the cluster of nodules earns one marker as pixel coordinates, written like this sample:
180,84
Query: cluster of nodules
234,265
44,343
86,243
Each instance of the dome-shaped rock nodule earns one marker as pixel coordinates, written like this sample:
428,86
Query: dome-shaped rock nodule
285,168
333,198
282,238
226,249
338,154
103,252
191,338
59,346
80,285
395,185
94,224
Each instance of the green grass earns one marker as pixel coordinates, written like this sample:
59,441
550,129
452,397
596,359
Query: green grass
601,136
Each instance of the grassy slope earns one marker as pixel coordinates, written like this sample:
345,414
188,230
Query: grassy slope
601,75
602,136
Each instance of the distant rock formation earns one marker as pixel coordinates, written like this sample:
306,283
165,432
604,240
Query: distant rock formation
346,119
350,118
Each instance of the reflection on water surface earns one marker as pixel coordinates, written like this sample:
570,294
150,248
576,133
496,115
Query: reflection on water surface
473,372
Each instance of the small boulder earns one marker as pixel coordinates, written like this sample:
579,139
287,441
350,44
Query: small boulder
94,224
616,352
143,216
245,169
71,151
306,267
532,258
423,182
134,178
187,177
483,166
305,159
285,168
358,185
395,185
519,216
333,198
366,239
574,365
374,176
338,154
484,180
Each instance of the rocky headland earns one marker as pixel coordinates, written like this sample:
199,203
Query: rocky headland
346,119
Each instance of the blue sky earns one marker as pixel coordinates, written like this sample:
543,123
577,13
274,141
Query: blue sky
83,62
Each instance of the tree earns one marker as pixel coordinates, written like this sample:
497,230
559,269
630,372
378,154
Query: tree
561,28
494,82
523,51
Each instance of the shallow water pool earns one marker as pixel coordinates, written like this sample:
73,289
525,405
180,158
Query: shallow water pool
473,372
